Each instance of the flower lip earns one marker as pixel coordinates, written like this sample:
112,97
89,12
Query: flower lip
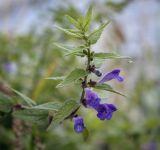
78,124
114,74
105,111
92,99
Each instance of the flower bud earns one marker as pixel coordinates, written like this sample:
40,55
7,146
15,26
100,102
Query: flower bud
85,52
98,73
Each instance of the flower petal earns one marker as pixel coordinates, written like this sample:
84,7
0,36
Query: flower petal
105,111
114,74
78,124
92,99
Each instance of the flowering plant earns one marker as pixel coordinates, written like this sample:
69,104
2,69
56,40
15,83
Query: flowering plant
89,98
50,114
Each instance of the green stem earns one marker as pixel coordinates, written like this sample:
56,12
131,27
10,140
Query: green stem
87,43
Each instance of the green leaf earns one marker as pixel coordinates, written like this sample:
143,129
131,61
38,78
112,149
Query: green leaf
81,20
53,106
85,134
73,21
38,116
67,108
77,52
5,103
109,56
107,87
94,36
73,76
87,19
64,47
71,50
55,78
68,31
26,99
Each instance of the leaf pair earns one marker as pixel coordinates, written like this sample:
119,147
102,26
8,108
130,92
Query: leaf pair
83,23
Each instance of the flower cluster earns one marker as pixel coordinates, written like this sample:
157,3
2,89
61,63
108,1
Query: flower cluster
92,100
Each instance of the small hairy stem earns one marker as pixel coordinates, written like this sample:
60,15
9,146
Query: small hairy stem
87,43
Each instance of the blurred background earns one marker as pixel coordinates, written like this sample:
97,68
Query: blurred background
28,55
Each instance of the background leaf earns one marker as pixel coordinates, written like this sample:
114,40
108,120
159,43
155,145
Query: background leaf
38,116
26,99
54,106
85,134
5,103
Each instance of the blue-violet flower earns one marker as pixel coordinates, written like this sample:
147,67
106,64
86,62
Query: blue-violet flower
92,99
105,111
114,74
78,124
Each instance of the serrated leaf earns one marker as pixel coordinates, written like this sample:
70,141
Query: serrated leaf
71,50
53,106
5,103
32,115
94,36
73,21
25,99
67,108
109,56
107,87
71,77
68,31
88,18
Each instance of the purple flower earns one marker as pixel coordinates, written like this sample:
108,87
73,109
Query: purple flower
114,74
105,111
92,99
149,146
9,67
78,124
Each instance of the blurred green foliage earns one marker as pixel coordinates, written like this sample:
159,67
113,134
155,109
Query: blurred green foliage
32,58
